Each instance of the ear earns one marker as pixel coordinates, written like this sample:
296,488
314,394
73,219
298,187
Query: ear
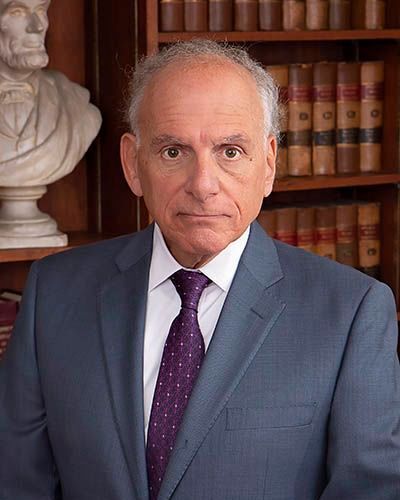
129,160
271,152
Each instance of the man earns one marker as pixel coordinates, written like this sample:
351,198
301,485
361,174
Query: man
46,121
200,359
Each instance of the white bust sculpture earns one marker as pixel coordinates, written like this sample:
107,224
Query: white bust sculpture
46,125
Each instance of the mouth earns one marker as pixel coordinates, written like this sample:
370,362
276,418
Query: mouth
202,216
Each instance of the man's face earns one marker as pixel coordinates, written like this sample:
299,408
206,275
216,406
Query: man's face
202,162
23,26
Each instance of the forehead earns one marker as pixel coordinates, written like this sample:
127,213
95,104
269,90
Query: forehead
215,86
4,4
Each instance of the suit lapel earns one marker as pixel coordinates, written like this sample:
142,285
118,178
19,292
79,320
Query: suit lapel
249,312
122,306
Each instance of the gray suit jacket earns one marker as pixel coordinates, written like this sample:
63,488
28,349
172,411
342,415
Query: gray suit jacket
298,397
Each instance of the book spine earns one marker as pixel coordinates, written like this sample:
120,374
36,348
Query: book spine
171,15
300,119
371,121
306,228
368,14
280,73
339,15
346,234
369,237
375,12
286,225
317,14
8,312
196,15
294,15
267,220
220,15
348,118
324,118
246,15
325,231
270,15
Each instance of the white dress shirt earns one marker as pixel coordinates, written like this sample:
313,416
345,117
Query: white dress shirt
164,303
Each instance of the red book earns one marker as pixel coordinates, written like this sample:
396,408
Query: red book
8,312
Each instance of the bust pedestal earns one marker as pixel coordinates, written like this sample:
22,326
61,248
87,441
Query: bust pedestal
22,224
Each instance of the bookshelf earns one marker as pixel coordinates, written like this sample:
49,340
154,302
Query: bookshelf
288,47
95,42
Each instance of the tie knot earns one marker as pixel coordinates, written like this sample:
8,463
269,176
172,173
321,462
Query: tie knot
190,286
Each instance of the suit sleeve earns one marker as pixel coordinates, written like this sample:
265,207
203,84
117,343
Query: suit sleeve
363,461
27,469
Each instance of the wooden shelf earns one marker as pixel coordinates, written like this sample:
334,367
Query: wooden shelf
29,254
283,36
334,181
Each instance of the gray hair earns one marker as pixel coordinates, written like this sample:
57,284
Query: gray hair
203,49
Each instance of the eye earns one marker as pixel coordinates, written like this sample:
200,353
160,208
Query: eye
232,153
16,12
170,153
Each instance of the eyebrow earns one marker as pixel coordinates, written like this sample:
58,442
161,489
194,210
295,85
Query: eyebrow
166,139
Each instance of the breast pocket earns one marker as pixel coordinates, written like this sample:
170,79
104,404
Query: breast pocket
270,417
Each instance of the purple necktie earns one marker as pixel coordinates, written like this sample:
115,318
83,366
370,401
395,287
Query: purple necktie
180,365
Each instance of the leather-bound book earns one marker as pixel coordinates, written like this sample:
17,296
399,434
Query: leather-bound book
368,14
196,15
369,242
348,118
286,225
246,15
220,15
294,15
280,73
300,119
339,14
317,14
306,228
171,15
346,234
324,118
267,220
371,121
325,231
270,15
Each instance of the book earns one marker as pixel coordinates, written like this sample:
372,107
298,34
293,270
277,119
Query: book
348,117
324,118
339,14
300,119
294,15
196,15
220,14
267,220
369,241
8,312
286,224
317,14
246,15
368,14
371,116
325,231
171,15
346,233
280,73
270,15
306,228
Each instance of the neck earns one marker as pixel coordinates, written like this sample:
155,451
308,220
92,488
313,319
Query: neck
14,74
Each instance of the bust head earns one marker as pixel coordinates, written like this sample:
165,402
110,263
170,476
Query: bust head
23,27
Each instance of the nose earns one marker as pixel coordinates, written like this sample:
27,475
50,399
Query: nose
35,24
203,182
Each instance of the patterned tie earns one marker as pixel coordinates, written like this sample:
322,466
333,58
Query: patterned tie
180,365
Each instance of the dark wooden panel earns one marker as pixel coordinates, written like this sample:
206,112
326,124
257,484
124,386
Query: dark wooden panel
116,28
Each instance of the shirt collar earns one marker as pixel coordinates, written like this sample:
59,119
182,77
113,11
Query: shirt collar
221,269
